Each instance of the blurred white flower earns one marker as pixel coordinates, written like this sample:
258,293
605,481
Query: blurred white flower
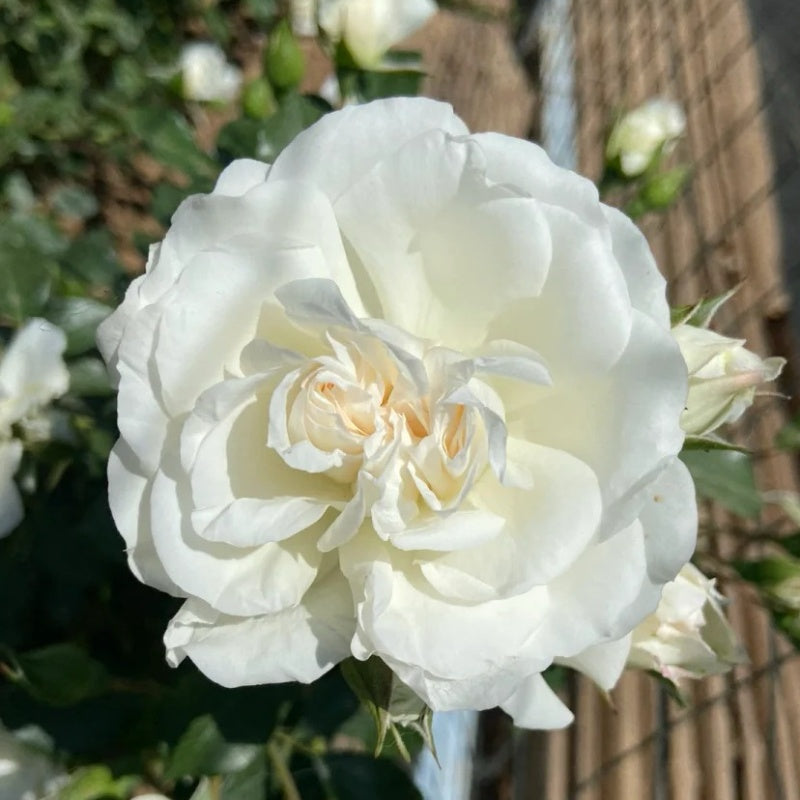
688,636
303,15
641,133
207,76
370,27
26,772
32,373
723,377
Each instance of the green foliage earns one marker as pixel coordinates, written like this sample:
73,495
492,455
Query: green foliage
727,477
60,674
702,313
97,150
390,702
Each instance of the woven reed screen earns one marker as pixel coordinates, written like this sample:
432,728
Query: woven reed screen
735,68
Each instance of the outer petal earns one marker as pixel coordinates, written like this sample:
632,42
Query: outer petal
240,581
602,597
669,519
129,499
371,132
443,224
603,663
525,166
565,323
646,285
11,510
625,424
298,644
240,176
535,705
460,657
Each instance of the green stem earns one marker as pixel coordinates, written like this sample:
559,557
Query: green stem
277,758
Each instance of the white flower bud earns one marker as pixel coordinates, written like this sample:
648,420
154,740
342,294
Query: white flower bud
723,378
638,136
207,76
32,373
370,27
688,636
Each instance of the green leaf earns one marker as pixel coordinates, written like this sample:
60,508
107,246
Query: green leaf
169,138
74,201
367,85
390,702
78,317
27,267
702,312
710,442
727,477
92,258
88,377
766,572
265,139
60,674
788,437
202,750
90,783
19,193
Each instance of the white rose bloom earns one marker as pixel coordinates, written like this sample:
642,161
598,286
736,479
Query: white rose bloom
370,27
32,373
206,74
688,636
638,135
26,773
723,377
406,392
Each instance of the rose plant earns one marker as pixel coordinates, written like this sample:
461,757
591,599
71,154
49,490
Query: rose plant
408,393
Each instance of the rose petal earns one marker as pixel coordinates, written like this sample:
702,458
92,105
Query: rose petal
298,644
535,705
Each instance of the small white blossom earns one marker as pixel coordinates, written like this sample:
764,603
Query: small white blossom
370,27
32,373
688,636
207,75
26,772
303,14
723,377
639,134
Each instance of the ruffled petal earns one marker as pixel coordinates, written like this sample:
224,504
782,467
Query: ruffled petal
371,131
300,643
535,705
